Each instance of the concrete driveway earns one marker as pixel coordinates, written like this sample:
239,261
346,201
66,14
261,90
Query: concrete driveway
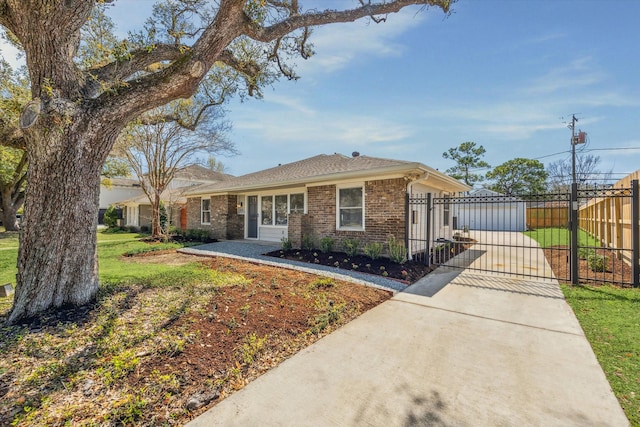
455,349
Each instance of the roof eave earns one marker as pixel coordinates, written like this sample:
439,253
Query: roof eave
447,183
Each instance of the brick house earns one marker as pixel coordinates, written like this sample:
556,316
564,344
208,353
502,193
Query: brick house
136,211
326,195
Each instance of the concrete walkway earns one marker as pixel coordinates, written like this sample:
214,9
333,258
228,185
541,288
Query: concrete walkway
455,349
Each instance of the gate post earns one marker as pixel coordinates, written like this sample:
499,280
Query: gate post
407,222
635,232
428,236
573,252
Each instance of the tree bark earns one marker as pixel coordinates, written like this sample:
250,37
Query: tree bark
156,227
9,210
57,259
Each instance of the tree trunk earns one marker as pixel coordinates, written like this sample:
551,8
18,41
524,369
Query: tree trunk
57,259
9,210
156,228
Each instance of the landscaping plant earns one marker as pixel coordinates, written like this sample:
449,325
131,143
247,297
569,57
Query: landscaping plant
326,244
351,246
373,250
397,251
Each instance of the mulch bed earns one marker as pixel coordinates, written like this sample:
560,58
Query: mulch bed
408,272
617,272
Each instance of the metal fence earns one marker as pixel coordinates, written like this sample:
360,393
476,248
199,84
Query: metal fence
586,236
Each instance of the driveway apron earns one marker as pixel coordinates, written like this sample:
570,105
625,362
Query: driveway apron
458,348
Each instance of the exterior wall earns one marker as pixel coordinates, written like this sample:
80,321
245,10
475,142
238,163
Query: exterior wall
226,223
145,216
109,196
384,214
193,215
235,221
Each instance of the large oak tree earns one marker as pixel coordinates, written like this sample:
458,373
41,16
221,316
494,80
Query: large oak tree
78,110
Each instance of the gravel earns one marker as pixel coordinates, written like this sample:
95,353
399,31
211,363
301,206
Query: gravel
253,251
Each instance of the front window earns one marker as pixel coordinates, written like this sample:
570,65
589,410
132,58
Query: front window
351,208
206,211
267,210
297,203
281,209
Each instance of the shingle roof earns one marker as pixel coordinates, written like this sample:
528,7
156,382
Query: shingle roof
313,169
201,173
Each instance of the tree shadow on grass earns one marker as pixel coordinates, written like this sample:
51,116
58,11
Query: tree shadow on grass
79,349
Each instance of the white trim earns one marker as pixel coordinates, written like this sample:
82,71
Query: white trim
360,185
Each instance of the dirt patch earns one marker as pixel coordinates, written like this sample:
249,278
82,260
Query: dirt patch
163,353
616,271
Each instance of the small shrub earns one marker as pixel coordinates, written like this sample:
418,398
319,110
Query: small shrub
251,348
351,246
197,235
598,262
329,313
287,244
373,250
585,253
323,283
309,242
397,251
110,218
326,244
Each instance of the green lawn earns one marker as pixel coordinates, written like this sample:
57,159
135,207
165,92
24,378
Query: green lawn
610,318
111,246
547,237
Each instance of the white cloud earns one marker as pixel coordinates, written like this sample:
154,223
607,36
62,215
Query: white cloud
337,45
579,73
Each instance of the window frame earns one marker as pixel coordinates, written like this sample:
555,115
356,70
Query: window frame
446,210
272,197
203,211
350,186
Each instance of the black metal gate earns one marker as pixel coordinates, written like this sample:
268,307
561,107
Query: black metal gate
587,235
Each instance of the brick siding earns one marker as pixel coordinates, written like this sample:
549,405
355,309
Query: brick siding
225,221
384,214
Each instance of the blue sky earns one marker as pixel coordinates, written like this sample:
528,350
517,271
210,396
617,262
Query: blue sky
507,74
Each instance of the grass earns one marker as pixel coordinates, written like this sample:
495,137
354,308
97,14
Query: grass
111,247
548,237
610,318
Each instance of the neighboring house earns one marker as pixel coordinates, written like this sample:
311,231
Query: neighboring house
490,211
327,195
117,190
136,210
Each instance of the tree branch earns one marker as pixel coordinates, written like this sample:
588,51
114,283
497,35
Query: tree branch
118,71
11,136
267,34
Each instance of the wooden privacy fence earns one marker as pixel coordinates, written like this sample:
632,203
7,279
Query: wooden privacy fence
548,215
609,217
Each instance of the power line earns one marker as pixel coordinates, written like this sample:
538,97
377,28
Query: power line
613,149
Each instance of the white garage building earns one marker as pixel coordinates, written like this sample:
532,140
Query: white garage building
490,211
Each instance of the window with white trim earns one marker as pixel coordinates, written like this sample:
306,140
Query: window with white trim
275,209
446,209
350,209
296,203
267,210
205,211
